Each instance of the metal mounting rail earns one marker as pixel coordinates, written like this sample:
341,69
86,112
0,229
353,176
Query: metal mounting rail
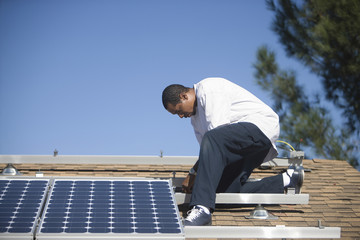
227,232
251,198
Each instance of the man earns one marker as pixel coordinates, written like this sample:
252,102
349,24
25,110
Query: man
236,132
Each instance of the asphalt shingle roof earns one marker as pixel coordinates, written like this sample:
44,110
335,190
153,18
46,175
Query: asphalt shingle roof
333,186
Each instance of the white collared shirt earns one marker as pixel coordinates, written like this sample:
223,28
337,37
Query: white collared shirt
221,102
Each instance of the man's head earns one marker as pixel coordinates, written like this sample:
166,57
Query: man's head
179,100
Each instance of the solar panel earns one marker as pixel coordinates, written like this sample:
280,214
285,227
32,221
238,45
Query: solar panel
111,209
21,202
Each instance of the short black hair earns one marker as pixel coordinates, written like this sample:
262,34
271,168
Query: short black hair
171,94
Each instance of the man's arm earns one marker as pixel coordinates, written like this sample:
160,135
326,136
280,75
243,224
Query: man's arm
188,183
195,167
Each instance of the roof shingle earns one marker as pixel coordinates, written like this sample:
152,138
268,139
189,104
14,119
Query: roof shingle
333,186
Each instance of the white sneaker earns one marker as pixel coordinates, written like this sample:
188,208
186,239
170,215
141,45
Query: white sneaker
197,217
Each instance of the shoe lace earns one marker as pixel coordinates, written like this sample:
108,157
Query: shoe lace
193,214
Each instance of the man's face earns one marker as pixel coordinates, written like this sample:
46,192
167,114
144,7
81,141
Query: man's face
185,108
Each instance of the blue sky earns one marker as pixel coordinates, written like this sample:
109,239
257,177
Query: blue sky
86,76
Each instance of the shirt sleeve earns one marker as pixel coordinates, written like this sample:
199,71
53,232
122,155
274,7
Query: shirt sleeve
199,136
217,107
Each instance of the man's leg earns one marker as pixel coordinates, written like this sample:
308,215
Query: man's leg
273,184
238,148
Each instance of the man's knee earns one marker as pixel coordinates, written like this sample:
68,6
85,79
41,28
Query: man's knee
207,141
212,139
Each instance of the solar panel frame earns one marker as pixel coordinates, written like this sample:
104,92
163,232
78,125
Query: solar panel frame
98,209
21,203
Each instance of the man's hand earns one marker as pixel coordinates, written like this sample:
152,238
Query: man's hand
188,183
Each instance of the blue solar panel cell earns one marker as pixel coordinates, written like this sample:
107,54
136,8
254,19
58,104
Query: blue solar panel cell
20,204
111,206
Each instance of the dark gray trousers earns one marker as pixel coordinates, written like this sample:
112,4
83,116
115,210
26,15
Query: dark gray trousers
228,155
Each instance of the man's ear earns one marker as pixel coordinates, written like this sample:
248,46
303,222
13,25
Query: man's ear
183,96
